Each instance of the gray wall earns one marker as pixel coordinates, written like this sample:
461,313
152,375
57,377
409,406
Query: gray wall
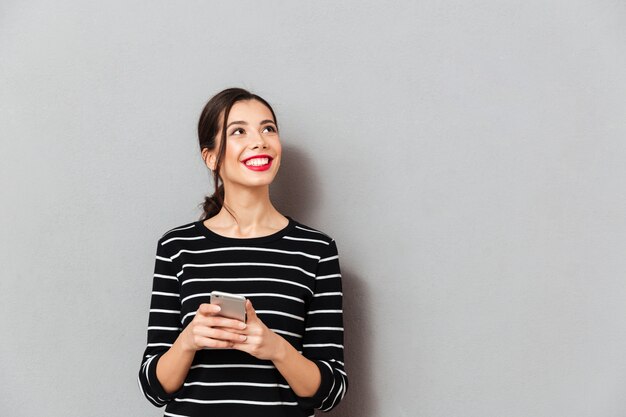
467,156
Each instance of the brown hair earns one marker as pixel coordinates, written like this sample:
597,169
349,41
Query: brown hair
213,117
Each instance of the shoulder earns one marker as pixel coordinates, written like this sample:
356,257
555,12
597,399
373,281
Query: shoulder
303,231
180,232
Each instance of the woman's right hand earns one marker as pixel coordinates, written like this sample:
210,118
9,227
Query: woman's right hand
209,330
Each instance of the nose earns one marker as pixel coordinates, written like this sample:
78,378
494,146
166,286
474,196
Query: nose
258,141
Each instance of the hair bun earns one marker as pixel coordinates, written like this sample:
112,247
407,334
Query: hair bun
213,203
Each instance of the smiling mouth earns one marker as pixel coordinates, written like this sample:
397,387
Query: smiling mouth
258,163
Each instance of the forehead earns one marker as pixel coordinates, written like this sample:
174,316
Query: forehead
251,111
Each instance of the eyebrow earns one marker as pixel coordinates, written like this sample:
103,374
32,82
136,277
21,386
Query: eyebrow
241,122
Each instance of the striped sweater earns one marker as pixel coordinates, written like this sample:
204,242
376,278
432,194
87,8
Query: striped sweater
292,278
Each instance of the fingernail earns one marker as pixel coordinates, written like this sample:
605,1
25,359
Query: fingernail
242,325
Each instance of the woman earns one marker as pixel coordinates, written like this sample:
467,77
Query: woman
287,358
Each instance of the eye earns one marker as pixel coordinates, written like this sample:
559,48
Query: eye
271,128
236,131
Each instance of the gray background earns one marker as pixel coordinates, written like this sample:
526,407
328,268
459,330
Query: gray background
467,156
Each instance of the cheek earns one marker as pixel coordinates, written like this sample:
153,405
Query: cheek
233,152
276,162
278,147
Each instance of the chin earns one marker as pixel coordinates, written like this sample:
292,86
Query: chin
256,184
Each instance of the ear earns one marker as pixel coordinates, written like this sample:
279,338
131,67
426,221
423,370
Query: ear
209,158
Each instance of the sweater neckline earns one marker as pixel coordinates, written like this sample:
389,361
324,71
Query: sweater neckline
210,234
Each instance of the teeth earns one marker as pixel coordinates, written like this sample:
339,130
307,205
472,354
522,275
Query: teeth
257,161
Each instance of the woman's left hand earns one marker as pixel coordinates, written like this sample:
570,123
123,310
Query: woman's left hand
261,342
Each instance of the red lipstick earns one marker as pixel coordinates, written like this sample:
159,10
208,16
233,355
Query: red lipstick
263,167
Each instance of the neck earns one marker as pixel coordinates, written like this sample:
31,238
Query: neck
251,207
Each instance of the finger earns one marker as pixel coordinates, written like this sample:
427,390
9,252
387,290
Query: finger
250,310
236,331
218,334
208,309
207,342
218,321
249,346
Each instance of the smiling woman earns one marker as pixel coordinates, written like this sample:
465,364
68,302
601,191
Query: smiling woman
247,117
287,357
251,143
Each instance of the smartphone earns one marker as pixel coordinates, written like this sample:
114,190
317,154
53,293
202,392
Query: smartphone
232,306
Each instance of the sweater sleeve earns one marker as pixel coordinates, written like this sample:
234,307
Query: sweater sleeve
323,336
163,324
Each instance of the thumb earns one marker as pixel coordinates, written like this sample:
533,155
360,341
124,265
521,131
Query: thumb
250,310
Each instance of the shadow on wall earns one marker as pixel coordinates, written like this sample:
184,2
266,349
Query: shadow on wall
295,192
360,400
295,188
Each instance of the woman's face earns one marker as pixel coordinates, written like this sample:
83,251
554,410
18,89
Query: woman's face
253,148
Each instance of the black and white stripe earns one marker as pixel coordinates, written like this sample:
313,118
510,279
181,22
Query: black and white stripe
294,282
